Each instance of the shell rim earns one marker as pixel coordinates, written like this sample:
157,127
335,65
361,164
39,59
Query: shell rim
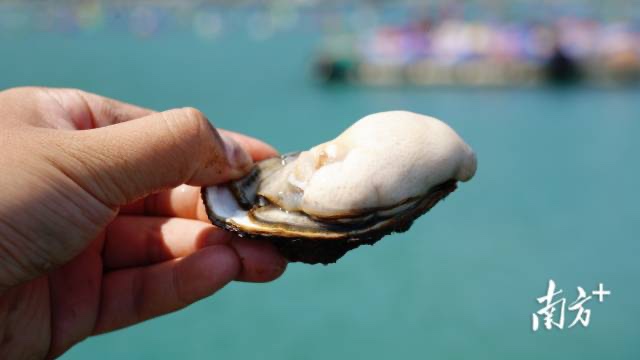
318,250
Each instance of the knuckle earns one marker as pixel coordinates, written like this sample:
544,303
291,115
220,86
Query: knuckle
195,129
181,127
62,93
195,116
190,124
74,91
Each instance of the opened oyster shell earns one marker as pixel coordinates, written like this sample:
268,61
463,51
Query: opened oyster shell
378,176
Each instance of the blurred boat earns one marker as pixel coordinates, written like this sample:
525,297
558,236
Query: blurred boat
464,53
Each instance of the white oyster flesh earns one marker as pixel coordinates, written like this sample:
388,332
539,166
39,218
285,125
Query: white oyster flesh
381,161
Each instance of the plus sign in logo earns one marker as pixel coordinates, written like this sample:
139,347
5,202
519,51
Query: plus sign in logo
600,293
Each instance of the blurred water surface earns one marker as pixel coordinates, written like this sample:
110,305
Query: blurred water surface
555,197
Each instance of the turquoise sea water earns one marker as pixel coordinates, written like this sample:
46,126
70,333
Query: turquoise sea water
555,196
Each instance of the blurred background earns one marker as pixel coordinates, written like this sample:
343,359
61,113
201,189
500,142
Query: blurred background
546,92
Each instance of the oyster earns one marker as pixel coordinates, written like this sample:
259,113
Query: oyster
378,176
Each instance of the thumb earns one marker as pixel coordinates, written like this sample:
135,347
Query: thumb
123,162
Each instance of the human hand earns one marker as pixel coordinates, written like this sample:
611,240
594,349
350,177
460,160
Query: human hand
94,236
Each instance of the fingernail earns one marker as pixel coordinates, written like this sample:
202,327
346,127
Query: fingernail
236,155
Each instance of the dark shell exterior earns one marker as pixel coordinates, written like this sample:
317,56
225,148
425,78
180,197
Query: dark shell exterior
323,251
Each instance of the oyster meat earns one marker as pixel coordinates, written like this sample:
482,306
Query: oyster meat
375,178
